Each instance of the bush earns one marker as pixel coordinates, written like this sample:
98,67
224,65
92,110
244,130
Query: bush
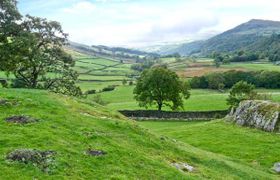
241,91
19,83
98,99
4,83
93,91
109,88
261,79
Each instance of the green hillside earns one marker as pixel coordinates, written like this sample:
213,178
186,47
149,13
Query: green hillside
71,126
252,147
248,35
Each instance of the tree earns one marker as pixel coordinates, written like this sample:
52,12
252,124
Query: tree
161,86
43,53
215,81
32,49
124,81
239,92
218,59
9,33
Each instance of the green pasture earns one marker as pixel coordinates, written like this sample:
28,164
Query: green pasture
252,147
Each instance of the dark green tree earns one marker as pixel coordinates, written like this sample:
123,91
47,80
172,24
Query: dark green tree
124,81
10,31
241,91
218,59
215,81
161,86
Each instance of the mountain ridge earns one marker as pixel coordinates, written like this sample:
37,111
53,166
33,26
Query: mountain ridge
238,38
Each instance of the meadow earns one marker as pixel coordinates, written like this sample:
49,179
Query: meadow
190,67
71,126
97,73
252,147
201,99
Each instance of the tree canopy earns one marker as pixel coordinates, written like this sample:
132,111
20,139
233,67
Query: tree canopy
32,49
241,91
161,86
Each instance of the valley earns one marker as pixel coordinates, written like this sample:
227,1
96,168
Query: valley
139,90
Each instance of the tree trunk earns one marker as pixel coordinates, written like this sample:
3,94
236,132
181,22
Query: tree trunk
159,106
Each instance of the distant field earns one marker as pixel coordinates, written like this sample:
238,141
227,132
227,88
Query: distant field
200,100
253,67
199,67
249,146
97,73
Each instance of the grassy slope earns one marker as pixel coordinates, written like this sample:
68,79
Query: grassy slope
69,127
252,147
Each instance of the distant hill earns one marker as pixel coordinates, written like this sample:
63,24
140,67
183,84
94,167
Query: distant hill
117,53
241,37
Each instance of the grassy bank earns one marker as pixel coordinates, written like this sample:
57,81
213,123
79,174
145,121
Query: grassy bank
71,126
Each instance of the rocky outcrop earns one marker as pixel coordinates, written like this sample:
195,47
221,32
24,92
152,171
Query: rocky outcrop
263,115
276,167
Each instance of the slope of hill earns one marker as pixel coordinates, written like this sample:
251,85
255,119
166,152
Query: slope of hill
71,127
238,38
117,53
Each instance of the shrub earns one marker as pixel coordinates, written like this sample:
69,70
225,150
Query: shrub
241,91
124,81
4,83
93,91
109,88
98,99
262,79
19,83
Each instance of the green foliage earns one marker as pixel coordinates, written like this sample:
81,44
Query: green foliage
64,84
124,81
32,49
4,83
98,99
262,79
215,81
161,86
109,88
18,83
92,91
218,59
241,91
9,33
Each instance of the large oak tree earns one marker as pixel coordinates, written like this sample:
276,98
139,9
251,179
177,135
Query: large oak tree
161,86
32,49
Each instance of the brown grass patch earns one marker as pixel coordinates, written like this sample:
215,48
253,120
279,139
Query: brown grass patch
200,71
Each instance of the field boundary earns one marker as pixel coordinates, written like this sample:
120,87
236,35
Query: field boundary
170,115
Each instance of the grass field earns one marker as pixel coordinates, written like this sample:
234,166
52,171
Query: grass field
71,126
200,100
198,67
252,147
97,73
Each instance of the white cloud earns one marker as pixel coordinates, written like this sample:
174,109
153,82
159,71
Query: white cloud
137,23
83,7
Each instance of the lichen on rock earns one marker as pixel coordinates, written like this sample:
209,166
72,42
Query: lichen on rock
263,115
41,159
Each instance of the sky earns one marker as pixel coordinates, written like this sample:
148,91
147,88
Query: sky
140,23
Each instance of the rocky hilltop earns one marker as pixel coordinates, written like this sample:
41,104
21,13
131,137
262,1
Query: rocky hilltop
263,115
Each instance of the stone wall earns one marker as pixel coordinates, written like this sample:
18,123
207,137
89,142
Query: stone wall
168,115
263,115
